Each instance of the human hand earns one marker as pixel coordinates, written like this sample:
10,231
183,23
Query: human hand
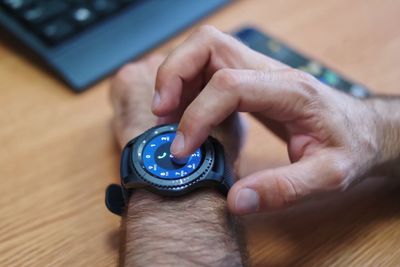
151,220
131,95
332,138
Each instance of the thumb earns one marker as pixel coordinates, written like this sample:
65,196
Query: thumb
277,188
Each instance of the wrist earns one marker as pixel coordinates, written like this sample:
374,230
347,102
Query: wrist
387,122
188,230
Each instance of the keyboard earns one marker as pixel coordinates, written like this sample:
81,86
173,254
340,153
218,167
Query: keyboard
84,40
53,21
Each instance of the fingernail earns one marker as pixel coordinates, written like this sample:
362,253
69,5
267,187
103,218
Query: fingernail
156,100
178,144
247,201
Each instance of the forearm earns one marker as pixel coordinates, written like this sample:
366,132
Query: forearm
387,121
193,230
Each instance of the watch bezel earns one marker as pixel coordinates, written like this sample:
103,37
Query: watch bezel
138,167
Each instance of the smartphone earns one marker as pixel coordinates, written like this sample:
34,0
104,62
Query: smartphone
275,49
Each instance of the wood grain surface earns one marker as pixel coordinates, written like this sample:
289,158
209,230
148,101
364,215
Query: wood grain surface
58,153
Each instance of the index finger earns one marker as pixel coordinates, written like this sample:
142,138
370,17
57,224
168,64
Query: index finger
277,95
204,52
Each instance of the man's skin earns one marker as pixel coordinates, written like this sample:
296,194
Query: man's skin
333,141
193,230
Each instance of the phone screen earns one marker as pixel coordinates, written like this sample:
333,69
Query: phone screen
273,48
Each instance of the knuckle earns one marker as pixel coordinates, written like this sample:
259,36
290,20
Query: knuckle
162,74
308,84
122,80
166,65
281,192
155,59
216,39
302,75
166,74
288,192
338,177
206,31
225,79
125,74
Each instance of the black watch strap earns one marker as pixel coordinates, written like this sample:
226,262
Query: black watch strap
117,197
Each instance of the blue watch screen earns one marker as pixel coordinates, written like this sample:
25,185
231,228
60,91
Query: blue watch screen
159,161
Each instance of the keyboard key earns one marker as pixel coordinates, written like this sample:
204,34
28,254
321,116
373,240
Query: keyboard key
44,11
104,7
126,2
16,5
57,30
83,16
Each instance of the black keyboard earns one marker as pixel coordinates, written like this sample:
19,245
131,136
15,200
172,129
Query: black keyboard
84,40
54,21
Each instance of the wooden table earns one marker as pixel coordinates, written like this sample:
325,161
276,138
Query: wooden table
58,153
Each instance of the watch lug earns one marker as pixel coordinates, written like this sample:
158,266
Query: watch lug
131,142
218,168
215,176
132,181
211,181
125,158
214,181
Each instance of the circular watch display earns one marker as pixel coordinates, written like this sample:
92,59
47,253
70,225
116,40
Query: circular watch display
158,160
152,161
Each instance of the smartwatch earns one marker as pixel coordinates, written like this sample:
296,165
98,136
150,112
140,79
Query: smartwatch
147,163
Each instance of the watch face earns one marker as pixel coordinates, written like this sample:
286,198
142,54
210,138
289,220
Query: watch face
158,160
153,162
